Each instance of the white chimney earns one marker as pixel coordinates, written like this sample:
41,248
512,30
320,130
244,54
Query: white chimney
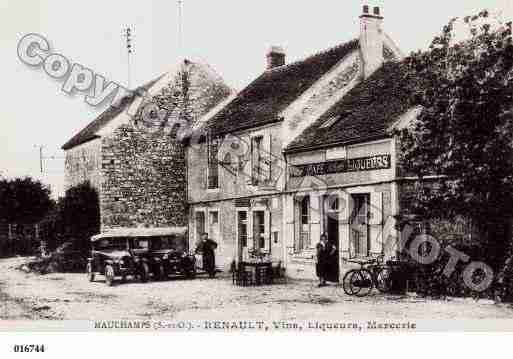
371,40
275,57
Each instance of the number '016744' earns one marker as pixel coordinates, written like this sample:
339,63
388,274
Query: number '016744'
29,348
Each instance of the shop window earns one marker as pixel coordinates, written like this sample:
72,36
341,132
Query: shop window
213,165
360,225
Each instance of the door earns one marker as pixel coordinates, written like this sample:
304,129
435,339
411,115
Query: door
331,219
359,226
259,230
242,234
200,225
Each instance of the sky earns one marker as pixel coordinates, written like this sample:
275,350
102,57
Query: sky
232,36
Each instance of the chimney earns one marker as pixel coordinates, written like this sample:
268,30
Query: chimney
371,40
275,57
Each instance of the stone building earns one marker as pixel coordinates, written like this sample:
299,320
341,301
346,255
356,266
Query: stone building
132,155
239,187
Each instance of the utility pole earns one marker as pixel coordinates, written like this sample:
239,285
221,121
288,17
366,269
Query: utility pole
180,29
42,157
128,36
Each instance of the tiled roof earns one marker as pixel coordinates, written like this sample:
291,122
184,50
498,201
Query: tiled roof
90,131
363,114
265,98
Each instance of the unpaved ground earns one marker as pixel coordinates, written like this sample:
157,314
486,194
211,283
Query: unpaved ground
71,296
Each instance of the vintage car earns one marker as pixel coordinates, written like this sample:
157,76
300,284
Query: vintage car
140,253
166,254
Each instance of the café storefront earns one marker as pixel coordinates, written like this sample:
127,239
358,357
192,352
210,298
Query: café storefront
346,192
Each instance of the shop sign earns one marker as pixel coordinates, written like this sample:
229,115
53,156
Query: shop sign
370,163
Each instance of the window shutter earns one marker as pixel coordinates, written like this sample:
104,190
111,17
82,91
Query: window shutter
269,159
376,209
252,180
267,229
297,224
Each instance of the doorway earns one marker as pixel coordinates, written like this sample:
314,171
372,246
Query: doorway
242,234
200,224
331,228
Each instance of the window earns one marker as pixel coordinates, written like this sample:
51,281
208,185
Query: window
359,246
302,240
256,160
213,165
141,243
214,225
259,229
214,218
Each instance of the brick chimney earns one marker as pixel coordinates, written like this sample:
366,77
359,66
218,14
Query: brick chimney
275,57
371,40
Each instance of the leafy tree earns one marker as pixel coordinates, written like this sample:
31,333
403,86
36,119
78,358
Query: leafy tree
79,214
24,200
464,132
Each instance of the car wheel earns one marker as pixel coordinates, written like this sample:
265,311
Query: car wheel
109,275
90,273
123,279
145,272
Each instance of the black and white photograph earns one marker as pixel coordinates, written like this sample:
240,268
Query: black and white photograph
256,166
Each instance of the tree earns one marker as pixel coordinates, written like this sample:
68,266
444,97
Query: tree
79,214
24,200
464,132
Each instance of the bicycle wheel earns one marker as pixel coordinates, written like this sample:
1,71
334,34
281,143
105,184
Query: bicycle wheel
346,283
361,282
384,280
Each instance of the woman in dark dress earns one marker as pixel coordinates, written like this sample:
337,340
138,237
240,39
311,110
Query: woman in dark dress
207,249
324,253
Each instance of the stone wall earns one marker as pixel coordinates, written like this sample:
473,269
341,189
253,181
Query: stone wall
144,180
83,163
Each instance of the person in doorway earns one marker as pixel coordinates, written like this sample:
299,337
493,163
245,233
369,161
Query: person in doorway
207,249
325,251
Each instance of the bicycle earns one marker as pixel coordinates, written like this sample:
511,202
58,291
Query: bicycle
372,273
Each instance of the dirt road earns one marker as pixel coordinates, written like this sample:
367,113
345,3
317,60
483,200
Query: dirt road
71,296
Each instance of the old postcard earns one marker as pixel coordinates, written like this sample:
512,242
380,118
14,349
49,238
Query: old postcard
256,166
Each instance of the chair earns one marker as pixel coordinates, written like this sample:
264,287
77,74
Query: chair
278,274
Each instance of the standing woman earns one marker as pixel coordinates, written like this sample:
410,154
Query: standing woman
323,257
207,248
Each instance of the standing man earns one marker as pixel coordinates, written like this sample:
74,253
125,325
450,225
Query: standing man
207,248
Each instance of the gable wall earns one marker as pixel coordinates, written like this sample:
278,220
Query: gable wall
83,163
